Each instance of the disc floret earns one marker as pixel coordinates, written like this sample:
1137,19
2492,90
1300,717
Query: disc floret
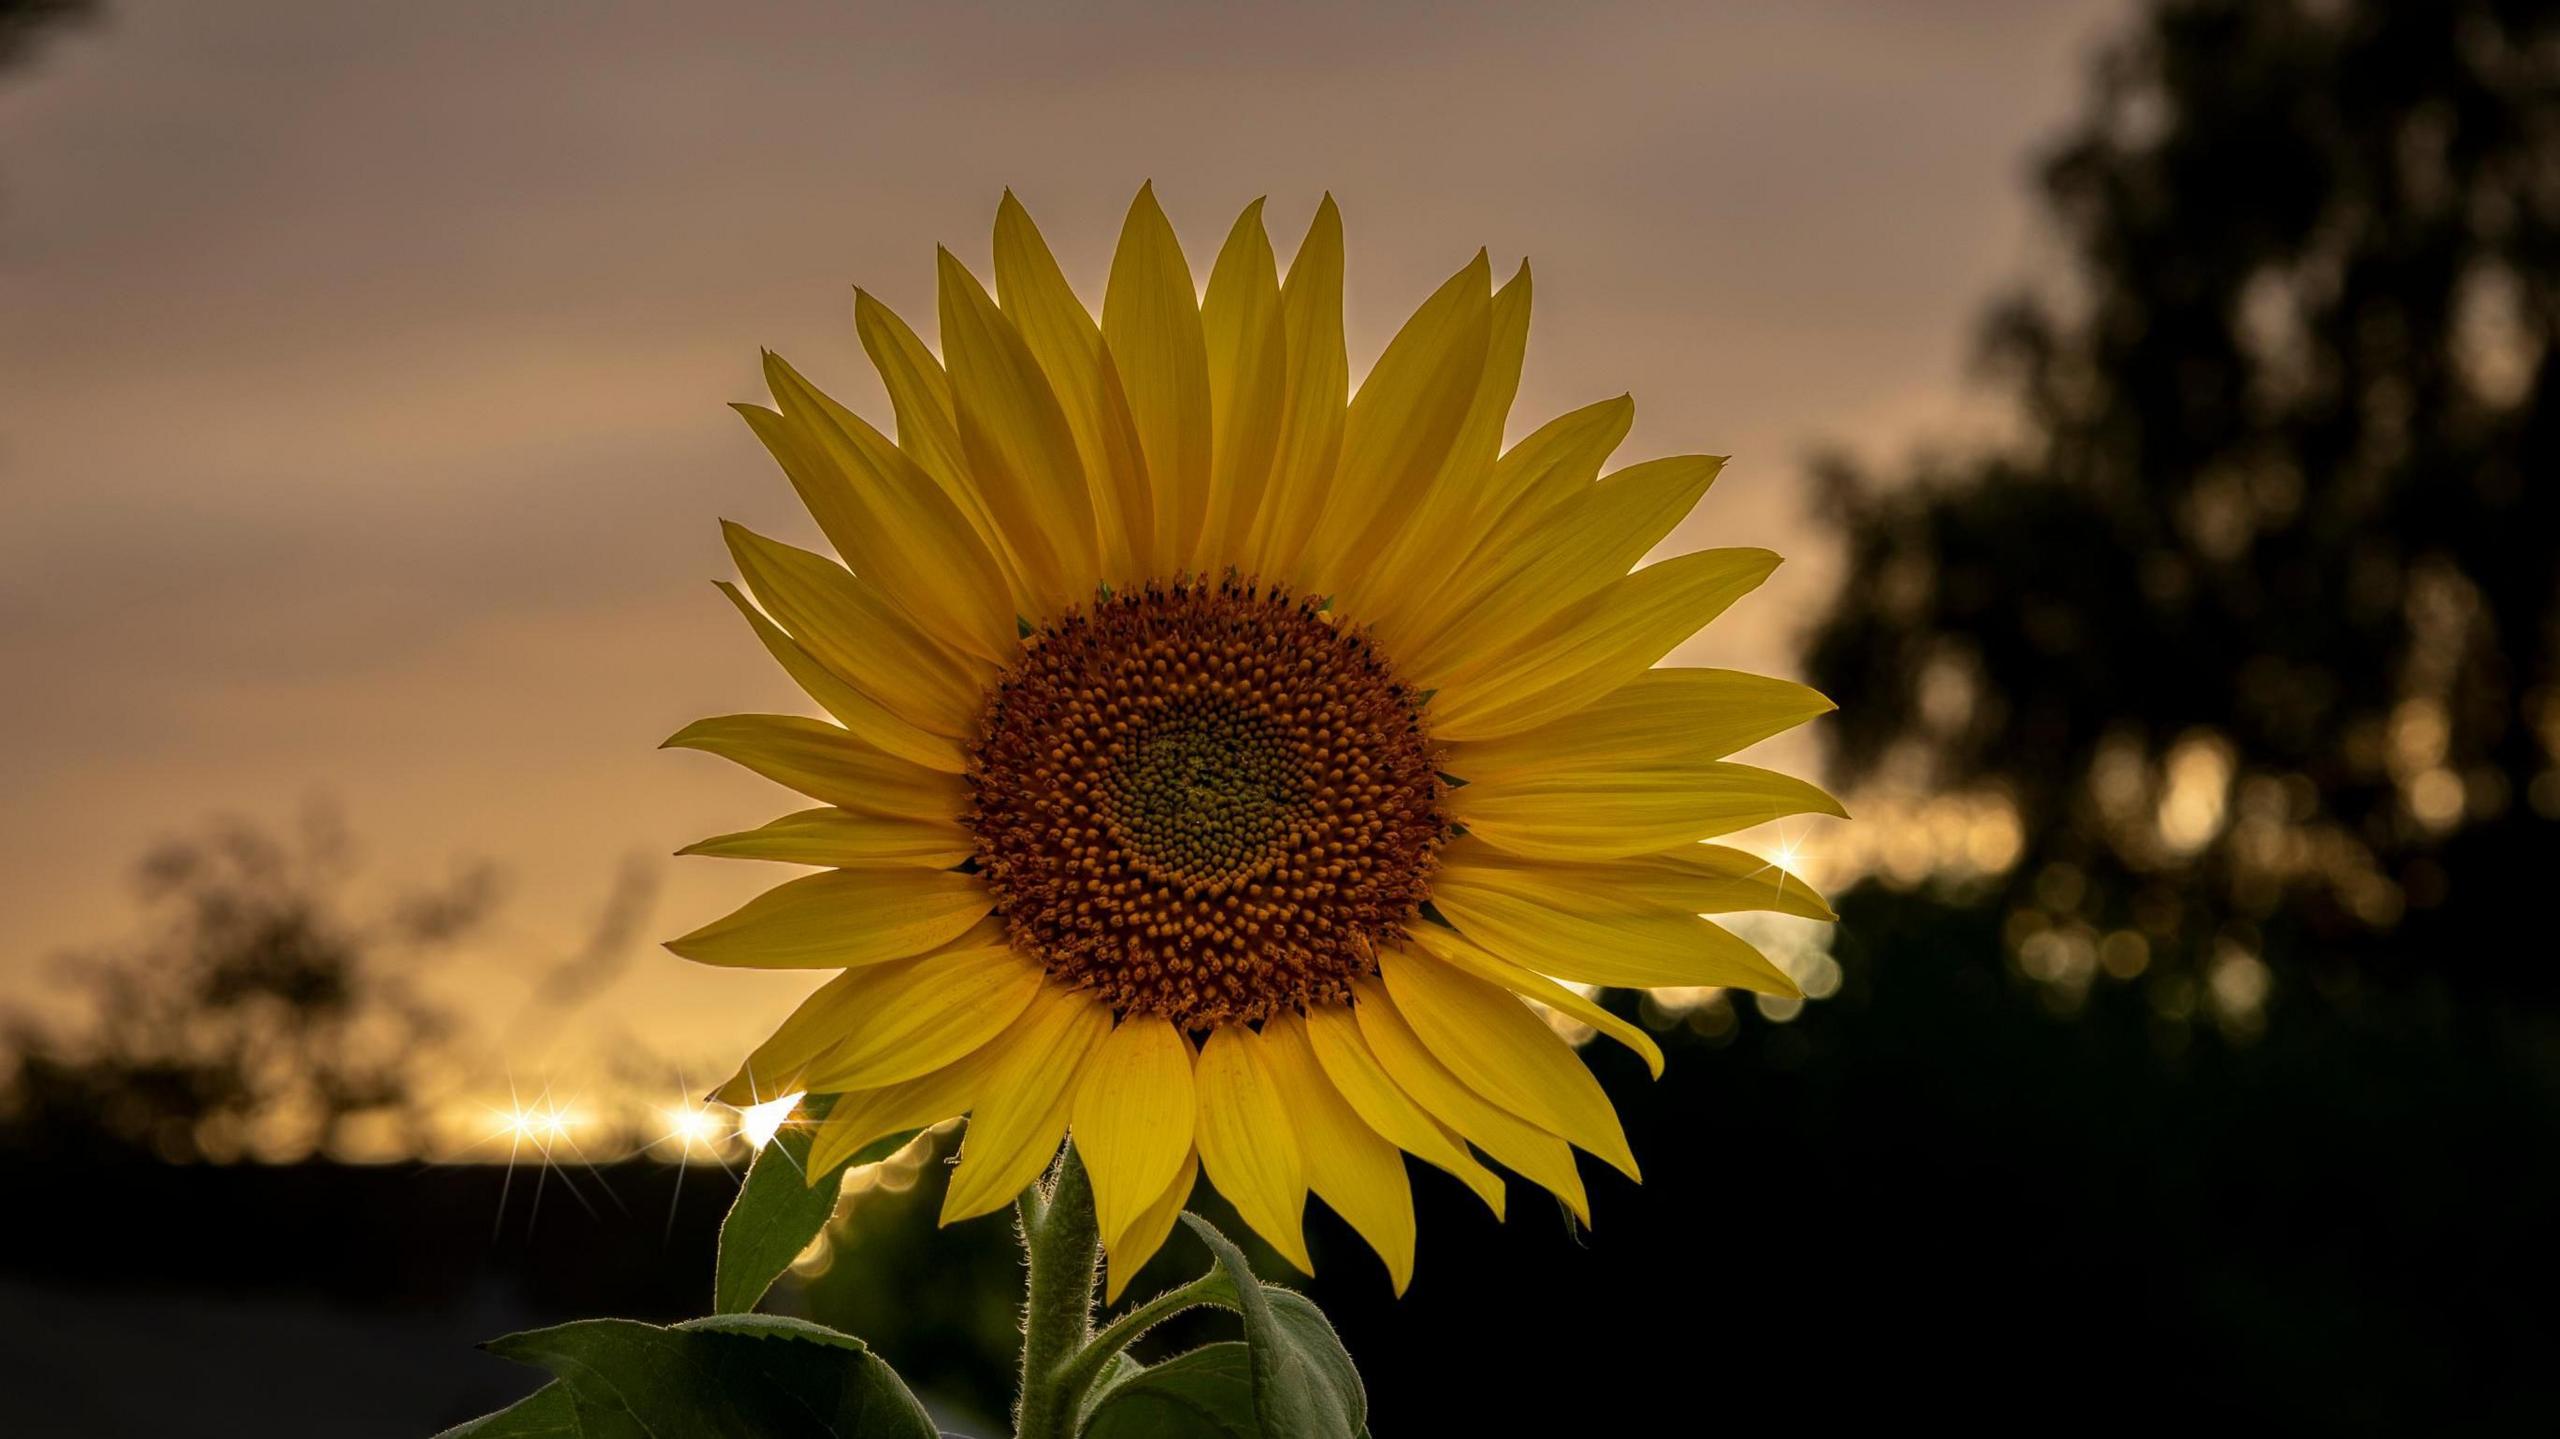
1208,801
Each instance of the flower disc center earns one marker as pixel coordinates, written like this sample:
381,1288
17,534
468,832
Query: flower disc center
1207,802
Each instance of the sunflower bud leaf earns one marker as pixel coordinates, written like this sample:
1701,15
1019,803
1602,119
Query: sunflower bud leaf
1289,1379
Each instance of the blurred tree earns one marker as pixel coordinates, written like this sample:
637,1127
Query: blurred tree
2258,627
256,1016
21,21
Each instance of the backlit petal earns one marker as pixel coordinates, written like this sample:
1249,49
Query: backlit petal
1064,337
1513,1142
1400,426
886,518
1248,1142
1146,1234
1491,1041
1318,381
904,1020
1021,1112
1248,387
1020,450
1452,948
863,717
848,625
1349,1165
1598,644
1133,1118
841,918
837,838
1573,929
1151,324
1674,716
1594,537
827,763
1333,1036
884,1023
1599,810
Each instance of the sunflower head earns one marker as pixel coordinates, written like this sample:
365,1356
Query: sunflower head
1217,758
1204,801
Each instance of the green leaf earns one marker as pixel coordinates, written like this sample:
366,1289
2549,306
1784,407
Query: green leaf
1304,1384
546,1413
778,1211
1207,1392
734,1376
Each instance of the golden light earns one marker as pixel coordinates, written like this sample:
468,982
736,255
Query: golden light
759,1122
538,1123
693,1126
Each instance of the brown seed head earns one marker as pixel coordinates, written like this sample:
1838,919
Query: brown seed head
1209,802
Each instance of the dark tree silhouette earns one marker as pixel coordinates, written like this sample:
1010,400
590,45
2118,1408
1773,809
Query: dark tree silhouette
259,1013
22,21
2259,627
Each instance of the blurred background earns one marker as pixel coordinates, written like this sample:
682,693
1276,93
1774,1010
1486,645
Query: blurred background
2156,402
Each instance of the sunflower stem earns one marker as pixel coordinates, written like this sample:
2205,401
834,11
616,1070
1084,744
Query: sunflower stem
1087,1367
1062,1249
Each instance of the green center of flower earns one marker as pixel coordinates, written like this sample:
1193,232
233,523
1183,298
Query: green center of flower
1208,802
1211,792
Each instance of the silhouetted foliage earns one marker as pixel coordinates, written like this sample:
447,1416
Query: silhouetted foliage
259,1014
22,21
2259,627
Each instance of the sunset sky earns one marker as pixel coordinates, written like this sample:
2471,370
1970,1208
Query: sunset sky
366,366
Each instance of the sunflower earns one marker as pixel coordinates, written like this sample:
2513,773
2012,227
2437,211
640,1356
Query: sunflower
1233,772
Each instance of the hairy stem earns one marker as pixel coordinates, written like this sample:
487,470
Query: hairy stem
1059,1241
1087,1367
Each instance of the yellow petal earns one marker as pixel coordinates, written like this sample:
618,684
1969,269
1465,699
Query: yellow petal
885,1023
1333,1036
1400,425
1600,810
1442,532
904,1020
865,718
1715,879
826,763
1598,644
886,517
1248,387
1690,878
1497,1048
1146,1234
1576,926
866,1116
1478,442
928,425
849,626
1593,538
1064,338
1452,948
842,918
1317,382
1021,1112
839,838
1151,325
1675,716
1349,1165
1550,465
1515,1143
1019,447
1248,1142
1132,1118
1557,460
